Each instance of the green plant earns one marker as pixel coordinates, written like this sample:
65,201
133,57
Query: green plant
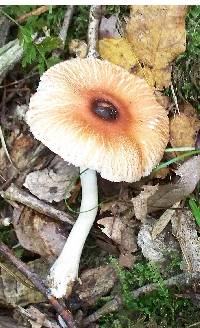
160,308
38,35
117,10
186,71
195,209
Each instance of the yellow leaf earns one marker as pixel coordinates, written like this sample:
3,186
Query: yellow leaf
118,51
157,35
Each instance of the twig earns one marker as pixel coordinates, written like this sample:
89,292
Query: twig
35,12
116,303
175,98
65,25
15,194
94,21
19,81
33,277
109,307
3,143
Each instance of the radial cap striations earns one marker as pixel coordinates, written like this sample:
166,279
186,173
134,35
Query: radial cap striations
95,114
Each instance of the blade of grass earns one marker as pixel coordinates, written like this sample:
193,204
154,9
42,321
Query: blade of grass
195,210
176,159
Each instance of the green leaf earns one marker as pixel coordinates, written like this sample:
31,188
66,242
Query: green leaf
49,44
195,210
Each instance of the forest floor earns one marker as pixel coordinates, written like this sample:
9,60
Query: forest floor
140,265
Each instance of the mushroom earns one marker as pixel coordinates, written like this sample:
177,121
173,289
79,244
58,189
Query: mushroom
99,117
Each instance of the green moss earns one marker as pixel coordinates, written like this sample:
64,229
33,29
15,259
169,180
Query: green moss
160,308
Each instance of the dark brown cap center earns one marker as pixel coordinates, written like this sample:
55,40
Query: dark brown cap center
105,110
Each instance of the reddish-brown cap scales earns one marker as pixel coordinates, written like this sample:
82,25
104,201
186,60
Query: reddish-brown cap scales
95,114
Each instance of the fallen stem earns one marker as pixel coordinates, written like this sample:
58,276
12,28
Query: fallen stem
38,283
16,194
65,25
93,28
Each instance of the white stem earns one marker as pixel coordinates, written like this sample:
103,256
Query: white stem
65,269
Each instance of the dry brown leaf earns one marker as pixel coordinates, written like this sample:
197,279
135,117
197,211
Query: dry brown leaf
185,231
140,202
95,283
47,237
8,322
155,249
123,235
108,27
167,195
183,130
52,184
161,174
113,227
163,221
14,293
158,36
20,148
78,48
118,51
37,318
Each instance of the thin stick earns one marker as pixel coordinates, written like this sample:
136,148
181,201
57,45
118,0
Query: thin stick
175,98
93,27
33,277
35,12
65,25
15,194
3,143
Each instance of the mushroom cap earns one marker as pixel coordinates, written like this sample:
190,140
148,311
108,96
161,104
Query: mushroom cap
96,115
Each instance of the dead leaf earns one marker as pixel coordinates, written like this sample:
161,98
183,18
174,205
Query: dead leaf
155,250
95,283
118,51
167,195
8,322
163,221
161,174
140,202
123,235
47,236
37,319
52,184
183,130
78,48
14,293
20,148
162,100
126,260
158,36
108,27
113,227
184,230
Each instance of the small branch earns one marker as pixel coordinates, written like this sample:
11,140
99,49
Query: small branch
10,54
36,281
108,308
93,28
15,194
35,12
65,25
3,143
175,98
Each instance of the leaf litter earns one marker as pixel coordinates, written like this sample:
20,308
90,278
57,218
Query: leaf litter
150,217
